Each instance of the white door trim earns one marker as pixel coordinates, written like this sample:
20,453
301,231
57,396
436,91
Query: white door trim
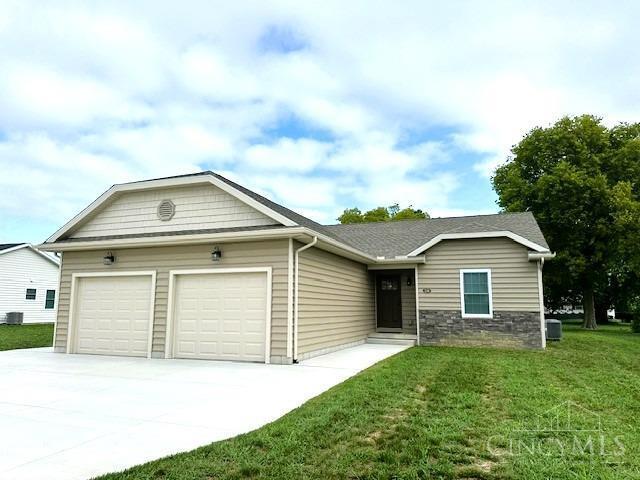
169,340
72,300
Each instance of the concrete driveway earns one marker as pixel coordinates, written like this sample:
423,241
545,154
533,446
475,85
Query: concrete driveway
78,416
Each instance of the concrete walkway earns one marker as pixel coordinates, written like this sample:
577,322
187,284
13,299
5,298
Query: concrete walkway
77,416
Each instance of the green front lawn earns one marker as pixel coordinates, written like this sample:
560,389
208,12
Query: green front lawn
26,336
449,413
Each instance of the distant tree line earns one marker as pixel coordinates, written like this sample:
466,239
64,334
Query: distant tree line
381,214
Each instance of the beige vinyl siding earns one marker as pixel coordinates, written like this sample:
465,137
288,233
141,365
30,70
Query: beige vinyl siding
196,207
408,302
162,259
514,279
336,301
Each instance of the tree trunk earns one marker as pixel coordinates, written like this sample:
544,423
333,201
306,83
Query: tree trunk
589,309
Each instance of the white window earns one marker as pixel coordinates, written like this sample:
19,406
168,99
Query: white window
475,293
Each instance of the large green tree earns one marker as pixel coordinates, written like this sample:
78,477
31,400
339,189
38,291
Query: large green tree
582,182
381,214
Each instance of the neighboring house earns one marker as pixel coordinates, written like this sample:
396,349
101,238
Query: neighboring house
28,283
197,266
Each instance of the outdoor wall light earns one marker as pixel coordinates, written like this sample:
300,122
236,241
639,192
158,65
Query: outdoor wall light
409,282
109,259
216,255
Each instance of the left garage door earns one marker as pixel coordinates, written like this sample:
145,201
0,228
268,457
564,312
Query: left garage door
112,316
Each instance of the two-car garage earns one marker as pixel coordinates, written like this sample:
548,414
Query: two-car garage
213,314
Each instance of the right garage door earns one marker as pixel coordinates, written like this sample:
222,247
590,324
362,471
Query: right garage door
220,316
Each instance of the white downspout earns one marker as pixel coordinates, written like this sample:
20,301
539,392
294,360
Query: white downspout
541,299
295,296
57,300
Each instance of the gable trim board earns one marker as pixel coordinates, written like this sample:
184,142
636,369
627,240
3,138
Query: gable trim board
73,323
459,236
163,183
170,334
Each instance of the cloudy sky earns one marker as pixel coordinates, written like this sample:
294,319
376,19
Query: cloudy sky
318,105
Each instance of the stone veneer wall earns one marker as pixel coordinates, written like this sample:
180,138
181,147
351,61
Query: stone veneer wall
505,329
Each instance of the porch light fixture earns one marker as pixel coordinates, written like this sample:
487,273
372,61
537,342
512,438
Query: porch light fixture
109,259
216,255
409,282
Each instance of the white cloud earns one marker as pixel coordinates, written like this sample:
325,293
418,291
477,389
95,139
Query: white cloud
299,155
92,94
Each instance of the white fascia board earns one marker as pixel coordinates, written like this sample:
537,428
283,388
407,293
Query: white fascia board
171,240
52,259
170,182
13,249
458,236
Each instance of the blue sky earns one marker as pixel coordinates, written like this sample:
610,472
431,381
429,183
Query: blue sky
318,106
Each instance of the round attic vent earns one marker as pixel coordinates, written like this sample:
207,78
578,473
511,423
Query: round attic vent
166,210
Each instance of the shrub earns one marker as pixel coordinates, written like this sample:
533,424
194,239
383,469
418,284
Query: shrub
635,323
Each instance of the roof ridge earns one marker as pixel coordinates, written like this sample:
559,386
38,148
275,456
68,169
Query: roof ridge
418,220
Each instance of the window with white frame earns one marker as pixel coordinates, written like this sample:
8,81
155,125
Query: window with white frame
475,293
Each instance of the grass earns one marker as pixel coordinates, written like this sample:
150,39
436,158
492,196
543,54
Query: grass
26,336
447,413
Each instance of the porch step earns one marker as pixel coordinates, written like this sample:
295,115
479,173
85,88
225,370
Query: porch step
391,338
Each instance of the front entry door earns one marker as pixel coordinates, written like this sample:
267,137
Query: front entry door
388,303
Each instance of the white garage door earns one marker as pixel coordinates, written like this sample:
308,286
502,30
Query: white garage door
112,316
221,316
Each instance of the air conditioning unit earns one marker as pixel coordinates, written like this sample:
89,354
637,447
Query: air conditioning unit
14,318
554,329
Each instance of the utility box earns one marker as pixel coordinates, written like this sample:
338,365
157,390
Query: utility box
15,318
554,329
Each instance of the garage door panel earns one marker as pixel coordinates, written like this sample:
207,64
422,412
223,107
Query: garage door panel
113,314
220,316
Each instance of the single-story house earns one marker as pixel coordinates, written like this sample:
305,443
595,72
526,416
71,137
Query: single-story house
197,266
28,282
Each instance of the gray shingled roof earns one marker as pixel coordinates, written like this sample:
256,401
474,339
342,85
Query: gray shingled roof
391,239
6,246
388,239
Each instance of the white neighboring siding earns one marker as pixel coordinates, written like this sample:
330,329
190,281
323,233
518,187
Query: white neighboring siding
514,279
22,269
197,207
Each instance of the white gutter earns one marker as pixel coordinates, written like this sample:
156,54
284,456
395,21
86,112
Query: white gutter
394,261
295,296
542,256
